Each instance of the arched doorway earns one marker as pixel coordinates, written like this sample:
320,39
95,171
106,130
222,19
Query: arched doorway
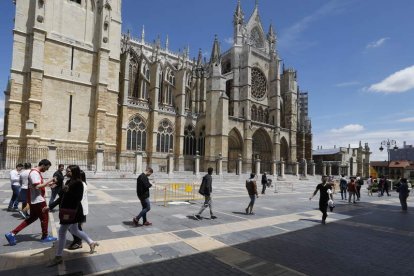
284,150
262,147
235,143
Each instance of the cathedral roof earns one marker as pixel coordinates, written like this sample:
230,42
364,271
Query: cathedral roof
326,151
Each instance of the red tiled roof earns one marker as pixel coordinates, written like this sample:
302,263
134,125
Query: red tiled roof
400,164
378,163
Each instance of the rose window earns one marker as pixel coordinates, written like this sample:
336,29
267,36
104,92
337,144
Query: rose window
259,84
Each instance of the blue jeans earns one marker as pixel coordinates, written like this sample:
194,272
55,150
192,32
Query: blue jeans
14,201
146,207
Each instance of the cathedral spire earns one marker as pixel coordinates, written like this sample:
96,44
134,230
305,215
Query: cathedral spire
200,57
166,43
143,34
271,37
215,53
238,14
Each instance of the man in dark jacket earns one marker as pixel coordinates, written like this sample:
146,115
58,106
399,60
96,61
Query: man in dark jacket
205,190
264,183
58,175
143,194
403,193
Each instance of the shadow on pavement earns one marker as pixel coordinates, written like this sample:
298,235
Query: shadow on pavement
351,246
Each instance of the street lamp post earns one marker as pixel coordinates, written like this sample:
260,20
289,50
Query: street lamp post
390,144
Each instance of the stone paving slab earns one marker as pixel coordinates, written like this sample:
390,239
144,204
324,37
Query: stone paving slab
283,238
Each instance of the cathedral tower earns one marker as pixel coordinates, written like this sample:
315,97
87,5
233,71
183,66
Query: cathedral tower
64,76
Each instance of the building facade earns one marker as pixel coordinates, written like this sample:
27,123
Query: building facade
80,84
406,152
343,160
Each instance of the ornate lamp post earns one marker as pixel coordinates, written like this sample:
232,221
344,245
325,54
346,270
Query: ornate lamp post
390,144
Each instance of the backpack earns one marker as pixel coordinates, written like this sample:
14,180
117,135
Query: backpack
361,182
202,187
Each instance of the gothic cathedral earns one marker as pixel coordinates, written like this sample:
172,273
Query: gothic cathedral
78,83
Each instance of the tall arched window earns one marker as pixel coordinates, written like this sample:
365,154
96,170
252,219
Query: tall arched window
169,89
260,114
254,113
136,134
201,143
145,82
160,87
133,79
165,136
189,141
188,98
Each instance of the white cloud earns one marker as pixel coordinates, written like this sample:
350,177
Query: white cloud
406,120
400,81
229,40
352,128
377,43
346,84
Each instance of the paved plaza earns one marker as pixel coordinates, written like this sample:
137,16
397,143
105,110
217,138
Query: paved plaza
284,237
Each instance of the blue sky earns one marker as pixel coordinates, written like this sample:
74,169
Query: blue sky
354,57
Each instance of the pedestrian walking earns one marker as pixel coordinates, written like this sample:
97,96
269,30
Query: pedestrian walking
71,213
264,183
324,197
59,183
24,182
381,186
386,186
206,189
352,190
359,182
252,191
343,184
143,194
331,181
403,192
369,185
37,190
77,241
15,186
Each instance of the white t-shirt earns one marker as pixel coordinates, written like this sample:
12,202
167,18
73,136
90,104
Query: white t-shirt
84,200
36,195
24,179
15,177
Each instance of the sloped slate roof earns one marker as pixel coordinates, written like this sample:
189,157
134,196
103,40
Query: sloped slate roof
326,151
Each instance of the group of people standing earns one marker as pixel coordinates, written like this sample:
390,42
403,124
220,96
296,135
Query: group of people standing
352,187
71,198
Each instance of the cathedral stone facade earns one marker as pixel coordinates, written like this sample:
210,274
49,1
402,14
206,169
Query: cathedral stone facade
78,83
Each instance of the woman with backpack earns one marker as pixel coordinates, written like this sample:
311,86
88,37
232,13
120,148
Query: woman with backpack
252,191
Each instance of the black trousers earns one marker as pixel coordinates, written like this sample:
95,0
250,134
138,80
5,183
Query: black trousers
323,207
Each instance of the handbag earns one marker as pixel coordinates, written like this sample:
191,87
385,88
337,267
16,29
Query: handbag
67,215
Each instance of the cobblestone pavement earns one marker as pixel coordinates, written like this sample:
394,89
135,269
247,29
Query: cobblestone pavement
284,237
